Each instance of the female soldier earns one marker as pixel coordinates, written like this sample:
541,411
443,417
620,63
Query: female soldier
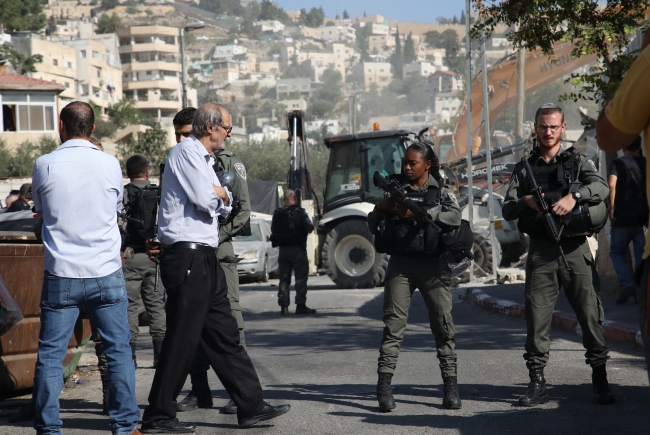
417,262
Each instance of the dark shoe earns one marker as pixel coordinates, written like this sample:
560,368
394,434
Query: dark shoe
385,392
602,394
626,293
157,345
26,413
230,408
284,310
191,402
168,426
536,394
452,396
303,309
267,413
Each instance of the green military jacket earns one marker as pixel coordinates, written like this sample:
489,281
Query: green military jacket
228,161
594,187
448,214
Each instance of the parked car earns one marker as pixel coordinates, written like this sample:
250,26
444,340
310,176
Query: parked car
18,221
258,258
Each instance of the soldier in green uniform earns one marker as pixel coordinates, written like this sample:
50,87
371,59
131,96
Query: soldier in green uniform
201,396
289,229
554,172
416,264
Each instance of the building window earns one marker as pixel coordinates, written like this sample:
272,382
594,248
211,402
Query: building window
83,54
148,73
99,73
95,54
55,62
68,64
27,112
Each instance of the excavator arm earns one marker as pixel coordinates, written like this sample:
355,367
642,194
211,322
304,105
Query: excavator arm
502,89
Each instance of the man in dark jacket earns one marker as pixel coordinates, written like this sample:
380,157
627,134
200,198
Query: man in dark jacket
21,203
290,227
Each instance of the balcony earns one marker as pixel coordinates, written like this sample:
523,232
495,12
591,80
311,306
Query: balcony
152,84
152,65
150,46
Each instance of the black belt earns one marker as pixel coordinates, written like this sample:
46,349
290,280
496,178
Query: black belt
210,250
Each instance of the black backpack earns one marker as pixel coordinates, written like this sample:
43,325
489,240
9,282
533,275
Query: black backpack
283,227
141,206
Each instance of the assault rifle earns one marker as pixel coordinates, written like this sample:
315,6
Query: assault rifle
398,194
155,224
542,206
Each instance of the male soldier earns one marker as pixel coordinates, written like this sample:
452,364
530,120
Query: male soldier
201,396
290,227
139,272
554,171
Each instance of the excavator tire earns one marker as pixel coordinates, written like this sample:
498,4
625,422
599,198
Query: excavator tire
483,261
349,256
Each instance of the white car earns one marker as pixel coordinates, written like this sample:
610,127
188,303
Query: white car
258,258
18,221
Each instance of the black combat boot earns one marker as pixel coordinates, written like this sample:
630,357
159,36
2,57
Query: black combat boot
385,392
284,310
452,396
157,345
602,393
200,396
626,293
536,394
304,309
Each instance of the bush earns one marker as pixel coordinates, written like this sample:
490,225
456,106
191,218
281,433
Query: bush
20,161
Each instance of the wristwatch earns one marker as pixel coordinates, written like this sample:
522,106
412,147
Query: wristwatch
577,196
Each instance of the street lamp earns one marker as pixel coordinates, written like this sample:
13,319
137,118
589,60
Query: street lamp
191,26
352,108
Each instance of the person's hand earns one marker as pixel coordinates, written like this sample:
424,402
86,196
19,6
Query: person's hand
530,202
404,212
152,248
385,205
564,205
221,194
611,215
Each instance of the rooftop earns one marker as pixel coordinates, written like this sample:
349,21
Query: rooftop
17,82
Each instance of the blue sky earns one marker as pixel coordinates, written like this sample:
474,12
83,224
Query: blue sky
425,11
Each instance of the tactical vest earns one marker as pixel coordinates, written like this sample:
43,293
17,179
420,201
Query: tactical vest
395,235
557,181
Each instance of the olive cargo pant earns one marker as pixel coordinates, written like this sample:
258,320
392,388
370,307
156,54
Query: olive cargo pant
545,272
139,274
403,276
293,257
226,256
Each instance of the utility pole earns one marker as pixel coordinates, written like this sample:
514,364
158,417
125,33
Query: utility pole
488,157
191,26
468,111
521,93
352,110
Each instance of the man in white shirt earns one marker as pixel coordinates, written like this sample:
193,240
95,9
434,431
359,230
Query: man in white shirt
198,310
77,190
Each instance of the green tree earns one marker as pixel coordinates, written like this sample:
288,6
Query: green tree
409,50
124,113
603,31
20,161
432,38
462,17
397,59
151,144
449,41
324,101
18,15
362,34
223,7
109,24
314,18
269,11
20,63
110,4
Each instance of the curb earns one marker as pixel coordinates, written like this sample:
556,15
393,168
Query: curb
614,331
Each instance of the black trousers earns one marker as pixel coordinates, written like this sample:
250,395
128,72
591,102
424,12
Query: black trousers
198,310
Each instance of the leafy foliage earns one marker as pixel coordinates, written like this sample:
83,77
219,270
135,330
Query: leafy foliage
20,63
110,4
151,144
362,42
328,96
593,29
448,40
22,15
409,50
109,24
223,7
397,59
124,113
20,161
313,18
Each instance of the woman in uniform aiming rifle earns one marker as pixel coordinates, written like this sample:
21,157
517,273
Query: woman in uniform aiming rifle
417,261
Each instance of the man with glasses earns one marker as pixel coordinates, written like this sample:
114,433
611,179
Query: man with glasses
201,396
554,171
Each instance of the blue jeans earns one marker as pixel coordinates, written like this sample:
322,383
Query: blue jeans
621,238
106,300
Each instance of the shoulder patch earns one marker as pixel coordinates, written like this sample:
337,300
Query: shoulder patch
593,165
453,197
513,178
241,170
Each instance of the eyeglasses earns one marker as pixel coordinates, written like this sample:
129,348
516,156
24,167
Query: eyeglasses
553,128
227,128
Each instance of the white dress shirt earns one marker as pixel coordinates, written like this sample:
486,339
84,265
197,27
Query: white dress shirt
189,207
77,189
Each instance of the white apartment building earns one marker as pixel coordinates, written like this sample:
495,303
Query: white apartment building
222,51
423,68
369,73
272,26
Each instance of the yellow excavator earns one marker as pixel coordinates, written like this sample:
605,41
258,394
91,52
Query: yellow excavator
502,89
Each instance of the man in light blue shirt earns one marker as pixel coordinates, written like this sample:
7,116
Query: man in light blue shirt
77,189
198,310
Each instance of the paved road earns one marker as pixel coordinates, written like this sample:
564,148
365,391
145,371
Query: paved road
325,367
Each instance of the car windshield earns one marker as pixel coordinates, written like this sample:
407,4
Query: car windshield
256,235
